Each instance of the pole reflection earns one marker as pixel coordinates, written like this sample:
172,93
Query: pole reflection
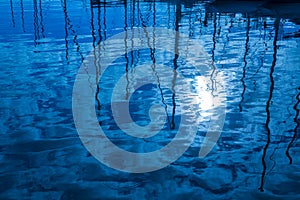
267,123
139,18
66,33
245,64
296,129
36,23
41,19
22,15
12,13
126,49
214,39
96,57
69,27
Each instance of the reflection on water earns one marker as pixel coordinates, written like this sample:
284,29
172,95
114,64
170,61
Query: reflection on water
296,129
12,13
43,44
276,25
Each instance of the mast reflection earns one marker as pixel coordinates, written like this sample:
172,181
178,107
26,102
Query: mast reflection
267,125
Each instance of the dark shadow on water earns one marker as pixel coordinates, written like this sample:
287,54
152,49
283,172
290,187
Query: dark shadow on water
282,9
104,3
185,3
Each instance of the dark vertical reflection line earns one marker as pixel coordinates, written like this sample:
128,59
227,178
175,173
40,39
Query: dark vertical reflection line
133,13
213,53
262,54
264,38
134,58
126,35
93,27
132,22
99,60
126,49
104,20
227,37
177,19
99,25
138,12
205,19
214,38
139,25
213,64
220,27
245,64
41,19
95,56
36,25
66,34
297,121
75,41
277,21
201,23
22,15
135,20
152,56
12,13
274,161
69,27
191,33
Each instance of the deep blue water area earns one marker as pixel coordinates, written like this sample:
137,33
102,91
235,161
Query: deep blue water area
254,46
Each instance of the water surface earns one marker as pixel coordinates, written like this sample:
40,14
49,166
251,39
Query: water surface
42,46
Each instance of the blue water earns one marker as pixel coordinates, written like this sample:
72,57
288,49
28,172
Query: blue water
42,46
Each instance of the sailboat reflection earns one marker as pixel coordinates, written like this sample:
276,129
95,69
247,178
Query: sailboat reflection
253,11
213,14
151,40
